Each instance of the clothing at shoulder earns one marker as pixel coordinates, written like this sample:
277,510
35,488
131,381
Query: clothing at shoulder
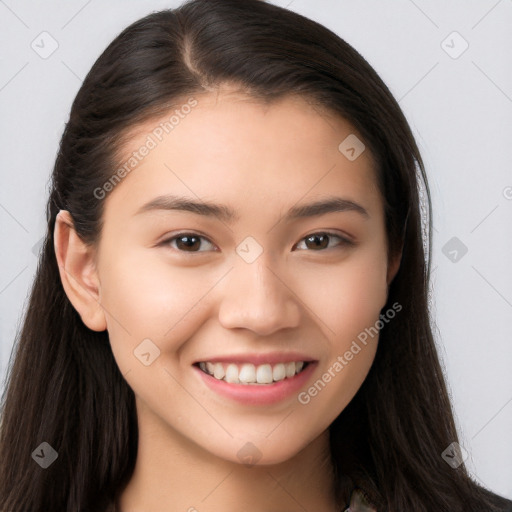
358,503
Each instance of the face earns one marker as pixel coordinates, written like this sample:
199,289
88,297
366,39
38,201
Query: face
256,285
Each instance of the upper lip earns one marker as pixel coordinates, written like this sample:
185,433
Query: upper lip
258,359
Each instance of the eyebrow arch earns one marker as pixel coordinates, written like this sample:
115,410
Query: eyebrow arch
224,213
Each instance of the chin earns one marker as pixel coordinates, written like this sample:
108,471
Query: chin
255,451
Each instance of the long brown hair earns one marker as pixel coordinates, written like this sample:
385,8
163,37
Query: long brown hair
64,387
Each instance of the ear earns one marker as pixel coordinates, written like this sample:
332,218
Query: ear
394,265
78,272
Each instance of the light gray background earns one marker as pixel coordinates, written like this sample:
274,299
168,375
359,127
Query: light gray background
460,110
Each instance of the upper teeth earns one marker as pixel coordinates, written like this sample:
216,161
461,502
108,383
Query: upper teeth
248,373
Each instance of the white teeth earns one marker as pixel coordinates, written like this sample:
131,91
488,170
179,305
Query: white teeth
290,369
232,374
218,371
248,373
279,372
264,374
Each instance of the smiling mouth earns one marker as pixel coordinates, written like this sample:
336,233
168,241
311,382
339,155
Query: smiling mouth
248,373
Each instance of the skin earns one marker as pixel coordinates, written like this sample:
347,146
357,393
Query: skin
259,160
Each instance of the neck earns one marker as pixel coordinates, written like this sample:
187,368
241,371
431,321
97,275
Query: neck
173,474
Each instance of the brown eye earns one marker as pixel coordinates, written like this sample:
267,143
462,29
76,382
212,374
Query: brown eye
317,241
186,242
320,241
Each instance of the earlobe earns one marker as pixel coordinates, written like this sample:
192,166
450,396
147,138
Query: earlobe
78,272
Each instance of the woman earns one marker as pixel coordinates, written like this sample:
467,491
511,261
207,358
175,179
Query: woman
231,304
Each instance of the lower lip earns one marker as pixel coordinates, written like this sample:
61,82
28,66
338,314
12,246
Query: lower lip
262,394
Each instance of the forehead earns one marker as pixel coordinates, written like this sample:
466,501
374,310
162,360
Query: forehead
232,147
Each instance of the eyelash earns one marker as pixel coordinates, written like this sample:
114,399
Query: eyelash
344,242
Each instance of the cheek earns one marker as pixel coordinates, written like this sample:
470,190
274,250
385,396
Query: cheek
348,296
147,297
349,302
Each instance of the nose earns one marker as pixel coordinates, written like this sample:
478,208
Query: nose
258,298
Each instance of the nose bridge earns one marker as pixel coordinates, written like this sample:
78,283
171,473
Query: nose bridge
257,297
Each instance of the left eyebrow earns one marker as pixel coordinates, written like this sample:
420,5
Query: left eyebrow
329,205
224,213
